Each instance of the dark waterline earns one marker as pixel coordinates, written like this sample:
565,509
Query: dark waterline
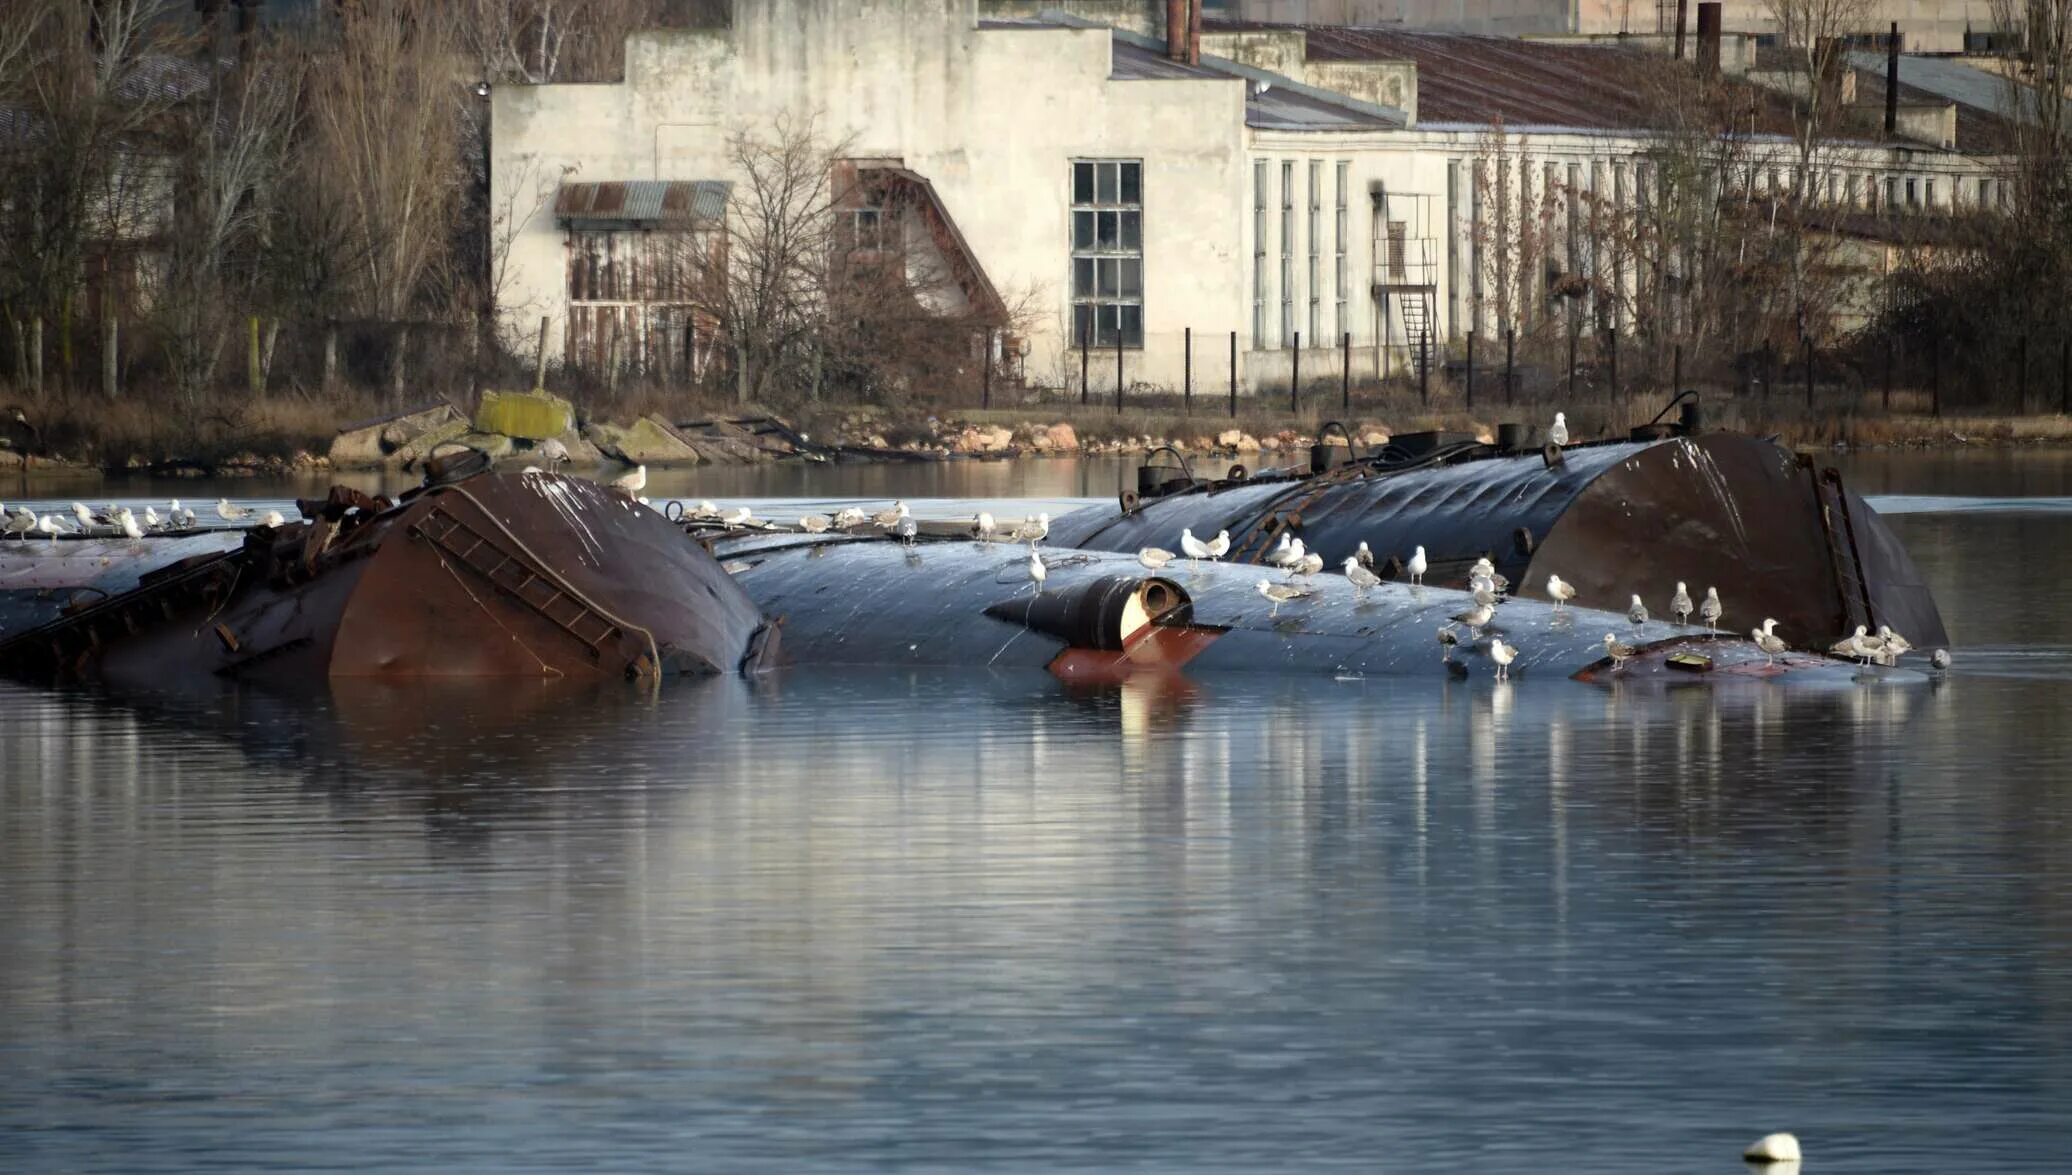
956,921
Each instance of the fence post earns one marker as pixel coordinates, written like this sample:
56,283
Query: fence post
1510,365
2022,381
1345,372
1083,354
1806,343
1233,375
1295,380
1935,375
1424,367
1187,371
1471,370
1118,365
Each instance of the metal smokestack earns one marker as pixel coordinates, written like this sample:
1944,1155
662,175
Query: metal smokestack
1682,17
1708,38
1194,32
1176,30
1892,82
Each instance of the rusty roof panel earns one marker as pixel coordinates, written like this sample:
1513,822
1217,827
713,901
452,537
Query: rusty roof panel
645,202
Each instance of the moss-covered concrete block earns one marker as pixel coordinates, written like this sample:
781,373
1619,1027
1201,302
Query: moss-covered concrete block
535,416
646,441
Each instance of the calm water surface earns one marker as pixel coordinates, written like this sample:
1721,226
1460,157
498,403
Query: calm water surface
853,920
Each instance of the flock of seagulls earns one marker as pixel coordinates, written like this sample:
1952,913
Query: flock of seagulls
1885,648
109,521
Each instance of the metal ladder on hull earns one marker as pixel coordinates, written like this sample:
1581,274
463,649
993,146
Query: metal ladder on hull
518,578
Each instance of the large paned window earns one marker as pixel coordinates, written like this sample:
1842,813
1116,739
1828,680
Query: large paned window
1108,252
1287,253
1340,224
1316,229
1259,194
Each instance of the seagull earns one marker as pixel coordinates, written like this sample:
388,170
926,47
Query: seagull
1618,651
273,519
1768,641
1475,618
1289,555
1281,593
1195,549
906,529
1036,531
84,515
1710,611
1895,644
845,518
1416,566
1560,591
230,513
1280,549
1447,640
737,518
1680,604
1310,565
1219,546
553,452
1484,569
1036,571
185,519
633,481
151,521
1483,595
1638,612
887,519
706,508
1154,558
1852,646
128,522
1558,434
982,527
1362,579
1365,556
813,523
21,523
50,525
1503,655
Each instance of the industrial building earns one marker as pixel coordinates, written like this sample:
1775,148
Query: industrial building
1161,198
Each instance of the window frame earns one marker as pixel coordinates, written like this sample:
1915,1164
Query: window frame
1105,232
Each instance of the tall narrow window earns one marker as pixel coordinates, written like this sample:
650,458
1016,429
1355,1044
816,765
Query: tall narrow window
1316,274
1338,227
1287,253
1259,194
1108,252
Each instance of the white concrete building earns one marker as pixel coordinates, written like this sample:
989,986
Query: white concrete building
1182,207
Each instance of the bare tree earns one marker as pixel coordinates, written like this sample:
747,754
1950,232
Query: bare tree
540,41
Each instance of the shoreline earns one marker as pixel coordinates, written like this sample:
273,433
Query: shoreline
402,440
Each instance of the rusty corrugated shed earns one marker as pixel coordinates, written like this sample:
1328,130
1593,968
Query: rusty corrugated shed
641,202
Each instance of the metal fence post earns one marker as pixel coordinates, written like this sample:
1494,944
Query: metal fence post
1471,370
1424,367
1295,379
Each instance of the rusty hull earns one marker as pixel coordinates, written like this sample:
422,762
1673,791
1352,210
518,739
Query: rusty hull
492,576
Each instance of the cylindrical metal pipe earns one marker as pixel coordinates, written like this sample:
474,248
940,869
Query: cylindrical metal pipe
1708,37
1176,30
1892,81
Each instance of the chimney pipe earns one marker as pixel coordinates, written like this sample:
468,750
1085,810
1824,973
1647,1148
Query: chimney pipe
1176,30
1892,82
1708,38
1682,17
1194,32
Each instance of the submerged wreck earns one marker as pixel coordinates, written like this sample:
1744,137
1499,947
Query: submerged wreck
480,574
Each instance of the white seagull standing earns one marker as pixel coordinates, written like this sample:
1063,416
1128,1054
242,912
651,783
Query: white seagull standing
1680,604
1154,558
50,525
1710,611
1195,549
1637,612
128,522
273,519
1558,433
1503,655
1365,556
1851,646
84,515
1036,531
1447,640
813,523
1560,591
1475,618
737,518
230,513
1219,546
632,481
1310,565
1618,651
1280,593
1416,566
1362,579
848,516
1036,571
906,530
1768,641
982,527
890,518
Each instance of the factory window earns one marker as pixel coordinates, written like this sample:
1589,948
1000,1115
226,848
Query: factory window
1287,253
1316,285
1928,192
1108,252
1258,251
1913,194
866,228
1338,242
1891,191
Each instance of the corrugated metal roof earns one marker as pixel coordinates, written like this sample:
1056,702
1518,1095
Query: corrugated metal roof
643,201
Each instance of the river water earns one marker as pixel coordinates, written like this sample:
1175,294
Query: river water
973,921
